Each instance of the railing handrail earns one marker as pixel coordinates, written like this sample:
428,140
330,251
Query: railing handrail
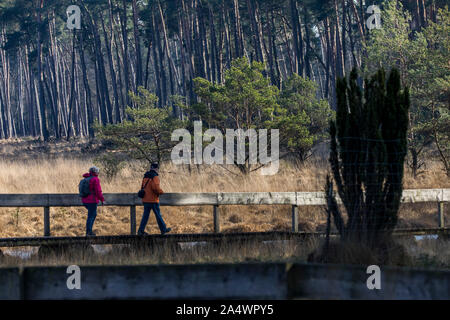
207,198
215,199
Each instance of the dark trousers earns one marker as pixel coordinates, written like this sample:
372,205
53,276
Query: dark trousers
147,208
92,214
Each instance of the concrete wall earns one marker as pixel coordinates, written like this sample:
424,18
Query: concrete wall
322,281
265,281
223,281
10,284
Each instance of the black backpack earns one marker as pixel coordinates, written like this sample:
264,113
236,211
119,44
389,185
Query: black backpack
83,187
141,192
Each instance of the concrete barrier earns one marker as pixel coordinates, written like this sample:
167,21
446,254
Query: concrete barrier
10,284
238,281
224,281
328,281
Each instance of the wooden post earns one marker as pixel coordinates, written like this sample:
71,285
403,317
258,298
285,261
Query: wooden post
216,219
441,220
294,218
46,221
133,220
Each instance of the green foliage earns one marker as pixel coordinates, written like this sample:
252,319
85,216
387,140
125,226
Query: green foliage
110,164
20,22
146,134
434,93
247,100
391,45
303,117
368,147
422,59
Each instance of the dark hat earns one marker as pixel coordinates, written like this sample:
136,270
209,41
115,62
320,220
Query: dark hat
94,169
154,166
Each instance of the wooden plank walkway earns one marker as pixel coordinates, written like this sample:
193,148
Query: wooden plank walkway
195,237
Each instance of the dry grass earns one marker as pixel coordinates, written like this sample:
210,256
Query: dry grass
32,167
248,251
57,168
407,252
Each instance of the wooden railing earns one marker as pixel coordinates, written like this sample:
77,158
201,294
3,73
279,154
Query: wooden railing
294,199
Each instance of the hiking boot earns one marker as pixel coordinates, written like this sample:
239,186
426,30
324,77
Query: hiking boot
90,234
167,231
143,233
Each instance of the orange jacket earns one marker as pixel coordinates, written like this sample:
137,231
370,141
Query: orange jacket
152,190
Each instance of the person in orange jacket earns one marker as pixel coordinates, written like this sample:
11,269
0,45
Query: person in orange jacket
150,184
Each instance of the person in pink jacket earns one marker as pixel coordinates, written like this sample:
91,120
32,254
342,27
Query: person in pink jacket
91,201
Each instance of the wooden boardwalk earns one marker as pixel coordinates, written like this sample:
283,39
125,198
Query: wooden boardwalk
213,199
195,237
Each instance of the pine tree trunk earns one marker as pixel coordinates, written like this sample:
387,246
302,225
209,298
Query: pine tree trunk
298,39
137,43
359,20
87,89
126,74
238,38
72,89
173,76
112,71
339,54
308,43
160,64
253,13
213,45
40,86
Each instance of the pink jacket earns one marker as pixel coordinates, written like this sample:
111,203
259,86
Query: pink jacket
96,194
